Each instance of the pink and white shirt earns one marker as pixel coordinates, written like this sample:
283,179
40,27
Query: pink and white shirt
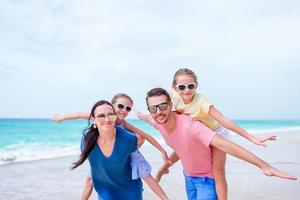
191,141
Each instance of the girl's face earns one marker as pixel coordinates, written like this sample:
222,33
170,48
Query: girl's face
105,117
122,106
186,87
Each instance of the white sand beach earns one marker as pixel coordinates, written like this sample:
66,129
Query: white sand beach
52,179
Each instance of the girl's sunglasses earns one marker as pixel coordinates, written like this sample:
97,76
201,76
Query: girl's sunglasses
121,107
182,87
109,116
162,107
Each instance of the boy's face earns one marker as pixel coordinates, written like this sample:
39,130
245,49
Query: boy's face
159,108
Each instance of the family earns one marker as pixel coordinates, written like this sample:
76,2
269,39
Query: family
189,123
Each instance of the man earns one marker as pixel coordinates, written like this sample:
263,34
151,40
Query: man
191,142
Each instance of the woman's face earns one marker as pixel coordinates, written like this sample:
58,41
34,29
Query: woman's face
122,106
105,117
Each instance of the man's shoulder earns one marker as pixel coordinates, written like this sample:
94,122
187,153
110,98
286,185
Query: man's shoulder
187,121
182,117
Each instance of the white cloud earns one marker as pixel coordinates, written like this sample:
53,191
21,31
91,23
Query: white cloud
58,56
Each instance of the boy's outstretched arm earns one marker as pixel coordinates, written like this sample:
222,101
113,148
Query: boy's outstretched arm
229,124
79,115
149,138
240,152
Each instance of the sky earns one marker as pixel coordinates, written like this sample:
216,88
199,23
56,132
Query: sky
61,56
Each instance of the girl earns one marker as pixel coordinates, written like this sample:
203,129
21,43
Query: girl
140,167
186,100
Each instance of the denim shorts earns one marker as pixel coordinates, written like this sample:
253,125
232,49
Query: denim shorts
200,188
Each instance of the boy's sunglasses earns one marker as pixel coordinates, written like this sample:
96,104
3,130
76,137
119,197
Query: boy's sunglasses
162,107
121,106
190,86
109,116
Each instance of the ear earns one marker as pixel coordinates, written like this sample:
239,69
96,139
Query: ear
174,88
196,85
171,105
93,120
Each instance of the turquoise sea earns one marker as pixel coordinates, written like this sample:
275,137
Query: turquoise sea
35,139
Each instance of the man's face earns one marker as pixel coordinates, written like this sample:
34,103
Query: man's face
159,108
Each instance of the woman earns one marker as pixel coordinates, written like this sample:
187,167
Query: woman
140,167
108,149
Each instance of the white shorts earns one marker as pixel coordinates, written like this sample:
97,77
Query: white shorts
222,131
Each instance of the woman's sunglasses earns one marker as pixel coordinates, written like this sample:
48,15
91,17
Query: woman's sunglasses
121,107
109,116
182,87
162,107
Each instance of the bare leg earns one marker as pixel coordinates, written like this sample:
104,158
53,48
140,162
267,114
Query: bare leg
162,171
219,160
87,190
156,187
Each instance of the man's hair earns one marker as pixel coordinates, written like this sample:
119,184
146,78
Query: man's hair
157,92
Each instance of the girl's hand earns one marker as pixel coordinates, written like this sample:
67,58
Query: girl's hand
139,114
162,171
57,118
260,141
166,158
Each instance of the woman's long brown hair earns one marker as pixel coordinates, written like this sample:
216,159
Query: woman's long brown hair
90,135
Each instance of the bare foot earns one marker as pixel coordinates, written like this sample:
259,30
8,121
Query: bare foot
271,171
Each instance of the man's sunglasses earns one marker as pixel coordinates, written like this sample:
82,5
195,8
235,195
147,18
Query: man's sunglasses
121,107
109,116
162,107
182,87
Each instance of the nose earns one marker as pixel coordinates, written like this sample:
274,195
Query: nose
158,111
106,118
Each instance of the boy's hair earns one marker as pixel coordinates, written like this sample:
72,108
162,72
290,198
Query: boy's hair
119,95
157,92
184,71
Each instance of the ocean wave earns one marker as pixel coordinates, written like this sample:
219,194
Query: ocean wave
32,153
22,152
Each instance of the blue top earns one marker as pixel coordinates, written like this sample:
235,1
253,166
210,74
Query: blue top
112,175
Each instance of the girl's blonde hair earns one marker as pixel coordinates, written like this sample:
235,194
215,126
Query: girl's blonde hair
119,95
184,71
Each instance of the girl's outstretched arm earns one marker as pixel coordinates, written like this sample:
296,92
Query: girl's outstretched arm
241,153
229,124
142,116
79,115
148,138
